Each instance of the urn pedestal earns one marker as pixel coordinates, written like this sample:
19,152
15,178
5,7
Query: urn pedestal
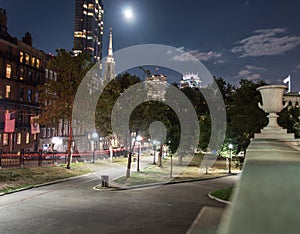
272,99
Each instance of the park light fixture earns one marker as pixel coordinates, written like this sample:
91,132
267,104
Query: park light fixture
139,139
230,146
57,141
95,135
94,142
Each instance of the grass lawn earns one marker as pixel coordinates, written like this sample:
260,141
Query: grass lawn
14,178
224,194
186,171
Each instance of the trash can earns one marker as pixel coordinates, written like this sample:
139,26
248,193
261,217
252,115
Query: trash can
104,180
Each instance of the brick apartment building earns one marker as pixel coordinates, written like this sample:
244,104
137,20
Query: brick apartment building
22,69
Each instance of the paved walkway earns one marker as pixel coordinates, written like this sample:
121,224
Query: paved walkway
74,207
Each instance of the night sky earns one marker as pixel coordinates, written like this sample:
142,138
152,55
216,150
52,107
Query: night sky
234,39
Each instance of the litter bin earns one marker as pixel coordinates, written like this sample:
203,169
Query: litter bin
104,180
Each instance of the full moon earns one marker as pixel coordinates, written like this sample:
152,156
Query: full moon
128,14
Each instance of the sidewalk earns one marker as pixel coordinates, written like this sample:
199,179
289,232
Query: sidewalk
149,175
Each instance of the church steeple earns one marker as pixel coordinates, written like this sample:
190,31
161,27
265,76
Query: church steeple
109,70
110,48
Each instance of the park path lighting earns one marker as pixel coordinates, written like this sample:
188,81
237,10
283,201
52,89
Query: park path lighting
230,146
139,141
94,137
154,151
171,169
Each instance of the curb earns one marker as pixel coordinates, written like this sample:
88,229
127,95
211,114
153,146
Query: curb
159,184
218,199
113,189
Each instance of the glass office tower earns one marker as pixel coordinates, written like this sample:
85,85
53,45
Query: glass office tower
88,28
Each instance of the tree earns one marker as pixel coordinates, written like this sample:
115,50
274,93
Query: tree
289,119
108,99
59,94
244,116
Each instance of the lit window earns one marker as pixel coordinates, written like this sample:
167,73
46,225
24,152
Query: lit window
33,61
8,71
27,59
27,141
19,138
21,57
35,136
46,73
55,76
21,77
43,132
7,91
5,139
37,63
29,95
51,75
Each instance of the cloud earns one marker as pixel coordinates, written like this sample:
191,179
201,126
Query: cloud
266,42
220,61
254,68
190,55
250,73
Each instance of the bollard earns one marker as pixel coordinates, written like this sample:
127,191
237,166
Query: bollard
104,180
40,157
22,157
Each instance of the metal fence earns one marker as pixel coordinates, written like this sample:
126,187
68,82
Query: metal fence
40,158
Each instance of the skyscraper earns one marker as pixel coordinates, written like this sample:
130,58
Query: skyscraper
88,28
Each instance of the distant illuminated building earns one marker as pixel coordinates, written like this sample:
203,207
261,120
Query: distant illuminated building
190,80
293,99
88,28
156,86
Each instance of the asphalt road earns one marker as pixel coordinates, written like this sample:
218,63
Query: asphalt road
74,207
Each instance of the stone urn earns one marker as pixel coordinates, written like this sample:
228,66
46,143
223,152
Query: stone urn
272,98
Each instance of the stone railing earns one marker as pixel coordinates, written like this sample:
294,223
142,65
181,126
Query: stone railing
266,199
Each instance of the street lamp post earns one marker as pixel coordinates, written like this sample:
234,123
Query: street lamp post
154,151
230,146
94,136
139,139
171,169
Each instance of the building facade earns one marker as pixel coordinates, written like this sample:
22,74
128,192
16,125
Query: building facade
22,70
190,80
293,99
88,28
156,86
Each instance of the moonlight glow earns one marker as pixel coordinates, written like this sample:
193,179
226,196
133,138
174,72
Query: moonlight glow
128,14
